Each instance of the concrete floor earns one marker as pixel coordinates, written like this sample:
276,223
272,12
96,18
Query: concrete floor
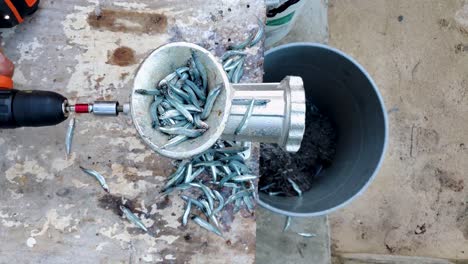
417,52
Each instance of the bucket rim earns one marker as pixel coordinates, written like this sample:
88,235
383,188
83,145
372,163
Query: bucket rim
385,118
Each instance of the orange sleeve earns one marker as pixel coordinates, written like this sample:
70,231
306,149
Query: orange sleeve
6,82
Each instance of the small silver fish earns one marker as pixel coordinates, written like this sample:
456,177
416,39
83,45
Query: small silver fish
258,102
188,132
234,66
306,234
267,186
148,92
175,141
220,199
210,100
194,72
183,77
240,165
165,103
248,203
180,93
238,195
213,173
170,114
174,178
186,213
208,163
230,185
231,53
287,224
192,108
238,72
295,187
192,97
207,191
231,150
182,110
243,44
154,112
181,70
236,168
199,123
243,123
275,193
228,63
193,201
207,208
259,34
69,137
133,218
167,79
225,179
232,158
194,175
201,69
172,96
98,177
188,173
199,92
207,225
241,178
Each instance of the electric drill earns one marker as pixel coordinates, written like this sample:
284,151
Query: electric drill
14,11
34,108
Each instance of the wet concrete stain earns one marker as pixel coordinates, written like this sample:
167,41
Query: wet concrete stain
460,47
447,181
443,23
158,223
122,56
63,192
166,202
132,176
124,75
420,229
426,140
113,203
128,21
99,80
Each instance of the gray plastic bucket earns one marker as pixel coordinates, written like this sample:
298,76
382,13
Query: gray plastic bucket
343,91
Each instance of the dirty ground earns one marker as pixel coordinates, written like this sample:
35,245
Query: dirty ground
303,167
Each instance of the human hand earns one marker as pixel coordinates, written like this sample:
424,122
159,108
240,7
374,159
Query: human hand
7,67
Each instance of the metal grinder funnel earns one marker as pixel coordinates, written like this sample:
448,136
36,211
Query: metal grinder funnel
279,125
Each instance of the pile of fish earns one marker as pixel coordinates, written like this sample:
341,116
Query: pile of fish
208,178
233,60
182,102
294,185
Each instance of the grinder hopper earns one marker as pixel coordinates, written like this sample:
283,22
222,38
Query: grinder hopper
281,120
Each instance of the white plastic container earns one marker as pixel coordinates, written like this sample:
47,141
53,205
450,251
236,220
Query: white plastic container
281,16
